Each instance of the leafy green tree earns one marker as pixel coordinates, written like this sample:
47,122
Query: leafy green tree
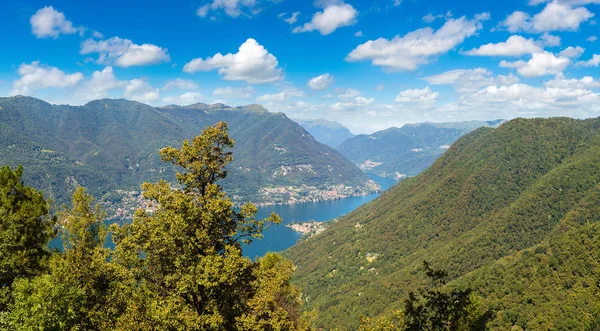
185,255
25,230
79,292
436,310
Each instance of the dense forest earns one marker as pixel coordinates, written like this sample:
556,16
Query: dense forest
511,211
500,233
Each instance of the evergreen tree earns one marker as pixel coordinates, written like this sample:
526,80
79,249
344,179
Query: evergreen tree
25,230
79,291
186,255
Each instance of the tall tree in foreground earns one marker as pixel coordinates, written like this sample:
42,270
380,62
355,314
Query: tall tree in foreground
25,229
186,255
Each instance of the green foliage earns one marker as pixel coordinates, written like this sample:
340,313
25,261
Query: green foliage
108,145
496,196
186,255
25,229
80,291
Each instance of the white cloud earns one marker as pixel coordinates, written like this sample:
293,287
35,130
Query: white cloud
97,34
231,92
358,34
514,46
547,39
48,22
281,96
592,39
593,62
124,53
429,18
424,95
99,85
181,84
232,8
290,20
140,90
380,87
252,63
321,82
184,99
540,64
556,16
561,82
396,3
332,17
471,80
418,47
353,103
572,52
568,2
346,93
35,76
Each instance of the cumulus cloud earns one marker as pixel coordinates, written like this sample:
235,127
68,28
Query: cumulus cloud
48,22
561,82
124,53
424,95
540,64
140,90
346,93
591,39
99,85
232,8
547,39
180,84
593,62
184,99
332,17
556,16
514,46
572,52
252,63
231,92
35,76
321,82
470,80
419,47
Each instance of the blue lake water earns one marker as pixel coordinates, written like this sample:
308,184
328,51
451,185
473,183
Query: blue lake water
277,238
280,237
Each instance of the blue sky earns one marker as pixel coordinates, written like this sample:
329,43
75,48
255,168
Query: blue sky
366,64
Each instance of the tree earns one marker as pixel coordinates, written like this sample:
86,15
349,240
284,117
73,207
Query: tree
80,291
186,254
435,309
25,230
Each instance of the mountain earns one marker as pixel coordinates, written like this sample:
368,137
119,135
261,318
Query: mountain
406,151
326,132
111,147
511,212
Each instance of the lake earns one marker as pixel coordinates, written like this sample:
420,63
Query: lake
277,238
280,237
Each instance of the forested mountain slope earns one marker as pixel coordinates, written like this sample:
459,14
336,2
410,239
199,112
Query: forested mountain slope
510,212
111,147
406,151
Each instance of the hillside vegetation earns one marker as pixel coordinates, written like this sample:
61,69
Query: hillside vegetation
110,147
510,211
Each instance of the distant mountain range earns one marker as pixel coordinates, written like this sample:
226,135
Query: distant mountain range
406,151
326,132
512,213
111,147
